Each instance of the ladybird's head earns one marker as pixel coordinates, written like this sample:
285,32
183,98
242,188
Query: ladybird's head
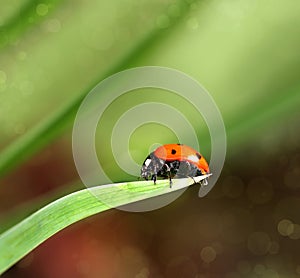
202,164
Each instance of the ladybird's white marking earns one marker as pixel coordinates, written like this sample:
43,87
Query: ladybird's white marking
193,158
147,162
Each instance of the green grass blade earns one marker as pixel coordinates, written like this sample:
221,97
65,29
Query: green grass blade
41,135
21,211
263,114
18,241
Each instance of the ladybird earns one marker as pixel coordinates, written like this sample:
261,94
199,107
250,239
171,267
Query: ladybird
172,160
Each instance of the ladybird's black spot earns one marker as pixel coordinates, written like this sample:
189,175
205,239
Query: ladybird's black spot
198,155
173,151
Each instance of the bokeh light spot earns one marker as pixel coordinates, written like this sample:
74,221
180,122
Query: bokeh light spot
260,191
181,266
133,261
243,267
20,129
288,208
232,274
259,243
274,248
26,87
295,234
291,179
285,227
42,9
52,25
209,226
208,254
163,21
232,187
271,273
259,269
3,77
144,273
174,10
22,55
218,247
236,224
192,23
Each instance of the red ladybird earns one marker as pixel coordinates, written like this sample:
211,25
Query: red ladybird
172,160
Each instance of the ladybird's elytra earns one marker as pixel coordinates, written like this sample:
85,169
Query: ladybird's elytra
172,160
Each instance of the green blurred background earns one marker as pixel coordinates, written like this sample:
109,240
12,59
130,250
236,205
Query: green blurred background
245,53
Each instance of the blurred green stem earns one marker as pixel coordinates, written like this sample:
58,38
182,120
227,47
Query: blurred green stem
22,19
49,129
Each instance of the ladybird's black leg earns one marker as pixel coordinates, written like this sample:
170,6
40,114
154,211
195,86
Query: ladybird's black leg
169,174
170,179
154,177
